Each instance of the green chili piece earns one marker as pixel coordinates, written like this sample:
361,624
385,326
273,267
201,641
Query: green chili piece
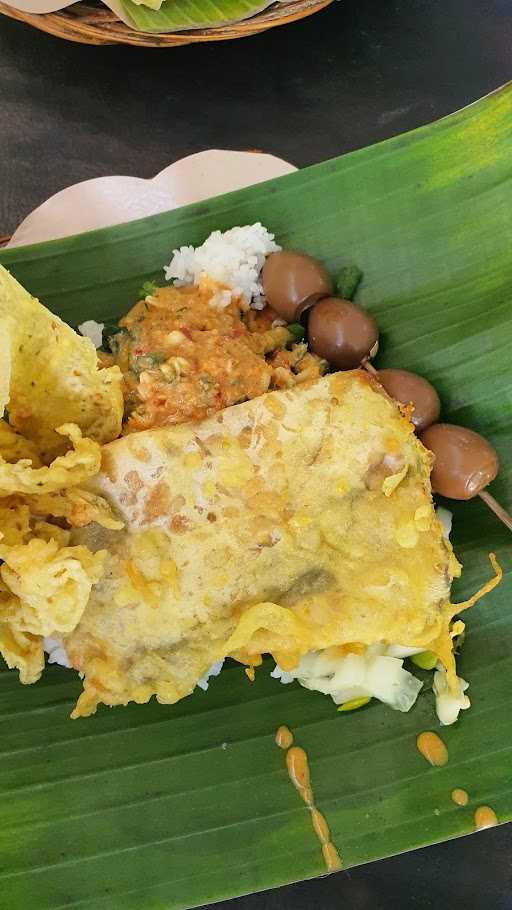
426,660
355,703
297,331
348,281
148,288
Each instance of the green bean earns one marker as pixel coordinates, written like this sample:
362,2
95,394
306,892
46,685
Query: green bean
355,703
426,660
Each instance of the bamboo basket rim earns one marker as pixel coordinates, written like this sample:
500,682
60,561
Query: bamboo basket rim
85,24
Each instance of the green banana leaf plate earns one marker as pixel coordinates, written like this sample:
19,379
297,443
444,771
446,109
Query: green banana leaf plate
161,808
181,15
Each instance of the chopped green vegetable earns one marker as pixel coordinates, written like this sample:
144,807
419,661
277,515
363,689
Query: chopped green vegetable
426,660
149,360
355,703
148,288
348,281
297,331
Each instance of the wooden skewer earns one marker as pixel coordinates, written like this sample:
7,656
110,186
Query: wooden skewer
486,497
496,508
366,364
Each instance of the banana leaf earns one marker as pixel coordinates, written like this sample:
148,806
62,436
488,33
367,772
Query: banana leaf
153,807
180,15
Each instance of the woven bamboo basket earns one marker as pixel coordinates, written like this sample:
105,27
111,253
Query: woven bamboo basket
86,23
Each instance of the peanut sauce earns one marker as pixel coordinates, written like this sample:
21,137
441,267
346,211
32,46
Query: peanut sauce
432,748
186,353
284,738
320,826
298,771
484,817
331,857
460,797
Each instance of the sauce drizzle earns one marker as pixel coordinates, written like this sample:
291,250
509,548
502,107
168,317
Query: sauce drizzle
484,817
298,772
432,748
460,797
284,737
331,857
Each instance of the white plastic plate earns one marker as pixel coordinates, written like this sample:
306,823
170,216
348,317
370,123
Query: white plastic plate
105,201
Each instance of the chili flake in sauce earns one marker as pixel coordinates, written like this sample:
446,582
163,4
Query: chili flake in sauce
185,354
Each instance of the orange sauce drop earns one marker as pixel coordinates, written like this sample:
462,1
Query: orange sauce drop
284,737
484,817
250,673
307,796
432,748
298,772
332,858
298,768
460,797
320,826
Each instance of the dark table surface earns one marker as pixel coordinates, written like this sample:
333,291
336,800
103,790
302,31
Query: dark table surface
356,73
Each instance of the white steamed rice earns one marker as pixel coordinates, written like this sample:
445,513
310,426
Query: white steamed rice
213,671
57,655
233,258
93,330
56,652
